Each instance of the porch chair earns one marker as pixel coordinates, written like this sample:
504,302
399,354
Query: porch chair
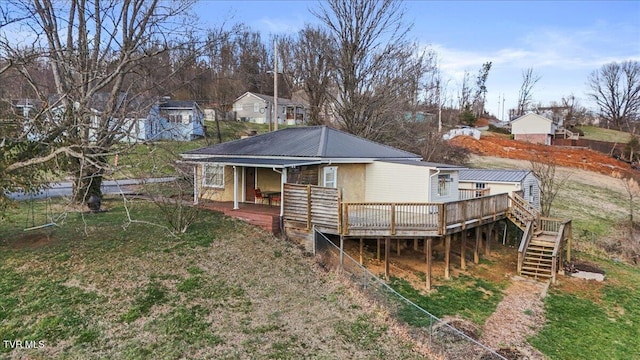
258,195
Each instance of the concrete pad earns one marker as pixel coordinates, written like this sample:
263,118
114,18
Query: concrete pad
588,275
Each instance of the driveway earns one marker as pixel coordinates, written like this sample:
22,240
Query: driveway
65,188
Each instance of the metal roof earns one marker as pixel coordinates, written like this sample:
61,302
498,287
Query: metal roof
312,141
425,164
492,175
254,162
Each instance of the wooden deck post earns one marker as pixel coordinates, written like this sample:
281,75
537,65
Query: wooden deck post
415,244
398,246
428,241
387,248
361,250
378,255
476,250
463,250
487,244
447,255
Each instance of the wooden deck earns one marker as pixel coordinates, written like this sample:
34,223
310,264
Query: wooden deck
264,216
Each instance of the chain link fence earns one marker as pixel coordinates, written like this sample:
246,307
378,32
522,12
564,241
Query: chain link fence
443,338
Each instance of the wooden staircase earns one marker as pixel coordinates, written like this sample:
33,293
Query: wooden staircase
538,257
543,239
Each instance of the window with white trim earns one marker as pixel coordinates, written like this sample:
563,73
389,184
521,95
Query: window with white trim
444,184
330,176
480,186
213,176
256,107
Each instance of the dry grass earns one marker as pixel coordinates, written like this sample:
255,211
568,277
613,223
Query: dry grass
225,290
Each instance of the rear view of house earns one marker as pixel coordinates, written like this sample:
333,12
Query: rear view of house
533,128
174,120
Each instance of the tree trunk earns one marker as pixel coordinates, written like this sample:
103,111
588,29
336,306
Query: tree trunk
89,179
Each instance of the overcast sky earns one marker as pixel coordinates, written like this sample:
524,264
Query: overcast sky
563,41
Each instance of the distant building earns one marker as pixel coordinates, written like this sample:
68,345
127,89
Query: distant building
258,108
533,128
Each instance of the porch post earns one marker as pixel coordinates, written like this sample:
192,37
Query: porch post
235,188
195,185
283,178
447,255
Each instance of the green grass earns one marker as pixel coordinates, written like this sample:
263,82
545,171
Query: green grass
471,298
581,328
602,134
100,287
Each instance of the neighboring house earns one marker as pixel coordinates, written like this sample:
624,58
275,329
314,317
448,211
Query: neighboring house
533,128
496,181
181,120
258,108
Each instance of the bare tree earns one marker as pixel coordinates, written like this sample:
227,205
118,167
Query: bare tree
96,50
551,182
372,65
480,96
306,60
616,90
525,95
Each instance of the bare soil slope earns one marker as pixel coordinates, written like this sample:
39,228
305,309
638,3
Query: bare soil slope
579,158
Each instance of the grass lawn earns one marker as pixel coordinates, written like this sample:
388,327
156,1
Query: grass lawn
97,288
602,134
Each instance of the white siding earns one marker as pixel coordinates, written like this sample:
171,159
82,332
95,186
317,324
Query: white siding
436,196
390,182
531,190
532,124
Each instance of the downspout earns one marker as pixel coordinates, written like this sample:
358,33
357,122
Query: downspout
431,182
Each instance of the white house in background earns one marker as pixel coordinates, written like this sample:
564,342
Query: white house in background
500,181
533,128
181,120
258,108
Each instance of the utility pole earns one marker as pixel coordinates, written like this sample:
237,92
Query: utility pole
439,108
502,107
275,82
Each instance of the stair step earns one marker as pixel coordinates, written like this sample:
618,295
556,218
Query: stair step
538,261
523,272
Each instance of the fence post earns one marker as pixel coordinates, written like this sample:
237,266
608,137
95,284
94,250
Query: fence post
393,219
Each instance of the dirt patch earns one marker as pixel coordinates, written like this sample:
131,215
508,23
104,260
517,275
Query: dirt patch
519,315
30,241
575,266
578,158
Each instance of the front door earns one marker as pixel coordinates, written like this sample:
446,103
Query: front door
250,184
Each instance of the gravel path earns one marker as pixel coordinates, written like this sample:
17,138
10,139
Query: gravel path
519,315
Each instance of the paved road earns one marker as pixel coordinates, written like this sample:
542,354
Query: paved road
65,188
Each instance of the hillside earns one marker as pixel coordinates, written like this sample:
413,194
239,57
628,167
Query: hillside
578,158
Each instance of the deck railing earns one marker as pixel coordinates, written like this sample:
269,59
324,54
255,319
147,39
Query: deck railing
463,212
391,216
522,211
465,194
524,244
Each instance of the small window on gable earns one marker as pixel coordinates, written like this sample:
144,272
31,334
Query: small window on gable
213,176
256,107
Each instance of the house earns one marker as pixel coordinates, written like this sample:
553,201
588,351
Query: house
319,155
498,181
325,180
181,120
533,128
258,108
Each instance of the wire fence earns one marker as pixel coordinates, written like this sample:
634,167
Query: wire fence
442,337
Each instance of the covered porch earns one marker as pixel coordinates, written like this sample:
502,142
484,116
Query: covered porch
265,216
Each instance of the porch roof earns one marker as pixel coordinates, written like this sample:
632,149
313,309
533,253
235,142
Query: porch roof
256,162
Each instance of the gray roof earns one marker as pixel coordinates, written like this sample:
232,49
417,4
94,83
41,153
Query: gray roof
426,164
270,162
313,141
177,104
269,99
492,175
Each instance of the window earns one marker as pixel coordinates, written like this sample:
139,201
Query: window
330,177
256,107
213,176
444,184
176,119
480,186
190,119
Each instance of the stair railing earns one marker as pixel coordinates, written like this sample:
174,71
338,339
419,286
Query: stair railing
522,210
524,244
556,256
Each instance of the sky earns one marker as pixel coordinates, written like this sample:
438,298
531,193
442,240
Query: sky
562,41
